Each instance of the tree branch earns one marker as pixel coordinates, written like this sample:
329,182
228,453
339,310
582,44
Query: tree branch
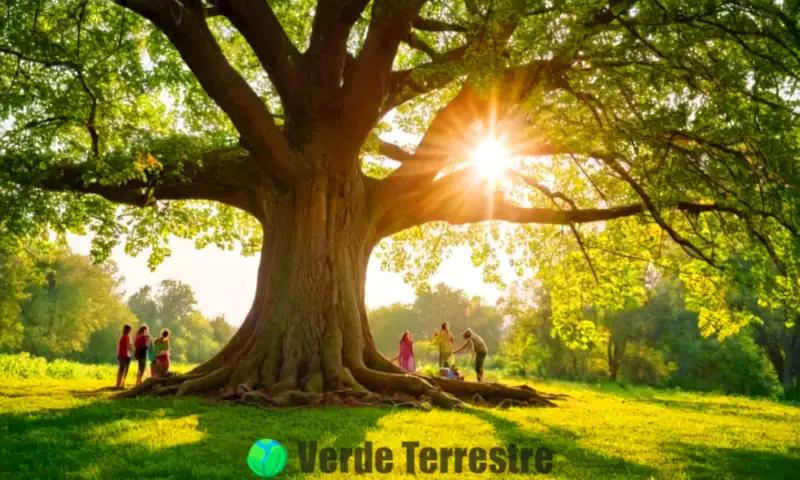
416,43
77,70
688,246
281,60
394,152
405,85
463,197
226,175
366,88
184,23
410,83
430,25
327,48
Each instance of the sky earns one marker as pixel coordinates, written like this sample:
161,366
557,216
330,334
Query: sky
224,282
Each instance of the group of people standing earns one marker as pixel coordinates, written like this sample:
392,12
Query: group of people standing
444,340
144,349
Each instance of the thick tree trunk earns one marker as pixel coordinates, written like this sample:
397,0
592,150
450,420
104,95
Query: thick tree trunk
307,334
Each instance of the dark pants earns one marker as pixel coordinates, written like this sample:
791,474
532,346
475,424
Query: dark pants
124,363
479,359
142,364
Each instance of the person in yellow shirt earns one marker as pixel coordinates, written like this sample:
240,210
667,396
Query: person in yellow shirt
444,340
479,347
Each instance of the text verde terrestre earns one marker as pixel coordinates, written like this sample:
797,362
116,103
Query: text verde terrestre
367,459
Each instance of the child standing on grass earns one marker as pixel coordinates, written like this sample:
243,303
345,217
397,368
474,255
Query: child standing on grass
123,355
406,356
161,350
140,344
444,340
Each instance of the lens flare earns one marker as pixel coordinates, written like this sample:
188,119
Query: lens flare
490,158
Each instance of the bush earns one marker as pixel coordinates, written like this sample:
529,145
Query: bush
645,365
596,365
522,356
429,369
26,366
515,368
61,370
733,366
22,365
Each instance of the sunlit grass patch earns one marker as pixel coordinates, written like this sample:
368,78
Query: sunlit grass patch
597,432
153,433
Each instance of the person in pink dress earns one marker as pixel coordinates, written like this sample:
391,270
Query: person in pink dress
406,356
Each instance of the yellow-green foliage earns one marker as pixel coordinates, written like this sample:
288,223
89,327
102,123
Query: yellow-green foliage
24,366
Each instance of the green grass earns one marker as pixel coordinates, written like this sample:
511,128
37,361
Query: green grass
58,429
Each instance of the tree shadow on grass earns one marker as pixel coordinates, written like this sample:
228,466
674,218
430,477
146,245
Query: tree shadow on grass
165,439
571,460
703,461
722,408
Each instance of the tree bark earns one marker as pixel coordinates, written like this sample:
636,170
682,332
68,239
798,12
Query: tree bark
787,373
616,351
306,339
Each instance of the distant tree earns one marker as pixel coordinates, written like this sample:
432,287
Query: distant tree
75,301
194,340
176,302
770,297
426,315
223,331
531,346
665,345
172,304
388,324
16,273
144,306
164,306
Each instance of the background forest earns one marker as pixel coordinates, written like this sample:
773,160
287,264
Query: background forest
57,304
656,329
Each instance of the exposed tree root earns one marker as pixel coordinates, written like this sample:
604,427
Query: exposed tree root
478,393
494,393
363,387
154,384
408,384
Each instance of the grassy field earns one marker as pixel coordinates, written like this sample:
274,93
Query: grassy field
60,429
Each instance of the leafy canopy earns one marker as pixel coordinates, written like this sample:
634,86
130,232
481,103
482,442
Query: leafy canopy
681,113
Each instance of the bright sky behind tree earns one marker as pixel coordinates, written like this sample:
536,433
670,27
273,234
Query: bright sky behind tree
225,281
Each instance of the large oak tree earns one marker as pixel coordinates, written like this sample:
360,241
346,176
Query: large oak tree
199,116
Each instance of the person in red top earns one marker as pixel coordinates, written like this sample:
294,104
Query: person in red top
123,355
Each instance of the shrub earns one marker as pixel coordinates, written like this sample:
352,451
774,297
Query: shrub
515,368
645,365
26,366
62,370
429,369
22,365
733,366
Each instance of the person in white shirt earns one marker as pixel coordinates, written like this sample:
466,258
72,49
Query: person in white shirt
479,347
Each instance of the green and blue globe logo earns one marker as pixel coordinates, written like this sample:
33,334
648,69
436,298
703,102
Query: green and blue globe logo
266,458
